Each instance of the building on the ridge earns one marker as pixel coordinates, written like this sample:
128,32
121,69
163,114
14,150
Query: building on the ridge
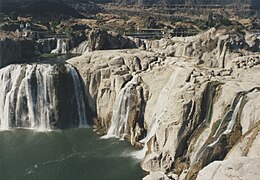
26,31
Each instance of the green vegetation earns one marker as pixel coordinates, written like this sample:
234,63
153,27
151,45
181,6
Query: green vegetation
120,30
54,24
210,21
158,36
125,18
213,20
132,29
100,19
217,20
46,55
175,19
69,32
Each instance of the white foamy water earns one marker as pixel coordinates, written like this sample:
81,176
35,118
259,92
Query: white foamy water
29,97
61,47
158,114
231,122
121,110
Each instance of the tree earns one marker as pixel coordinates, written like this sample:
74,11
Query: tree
210,22
69,32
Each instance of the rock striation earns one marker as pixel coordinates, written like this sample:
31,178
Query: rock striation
114,90
191,103
98,39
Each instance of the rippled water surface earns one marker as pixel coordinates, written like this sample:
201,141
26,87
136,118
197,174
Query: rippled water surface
70,154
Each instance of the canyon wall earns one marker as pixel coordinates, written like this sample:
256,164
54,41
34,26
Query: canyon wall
98,39
15,51
190,104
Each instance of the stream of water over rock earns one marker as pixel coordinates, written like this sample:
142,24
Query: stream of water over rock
46,96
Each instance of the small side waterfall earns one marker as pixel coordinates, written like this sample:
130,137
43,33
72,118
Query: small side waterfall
234,109
81,48
79,97
41,96
160,111
121,109
208,150
61,48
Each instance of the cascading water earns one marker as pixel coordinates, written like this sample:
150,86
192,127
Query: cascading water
81,48
224,129
121,110
41,96
235,109
61,47
160,111
79,97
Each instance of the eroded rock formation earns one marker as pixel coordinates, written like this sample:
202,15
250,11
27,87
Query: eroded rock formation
188,101
98,39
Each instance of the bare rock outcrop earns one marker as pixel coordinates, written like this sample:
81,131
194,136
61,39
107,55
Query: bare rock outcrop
10,52
185,114
211,49
238,168
98,39
112,84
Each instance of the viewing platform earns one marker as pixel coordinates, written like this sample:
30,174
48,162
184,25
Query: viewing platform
57,36
148,33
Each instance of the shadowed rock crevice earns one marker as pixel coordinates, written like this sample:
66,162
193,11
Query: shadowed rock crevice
186,116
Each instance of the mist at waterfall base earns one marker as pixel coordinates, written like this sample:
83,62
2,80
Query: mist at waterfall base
39,97
69,154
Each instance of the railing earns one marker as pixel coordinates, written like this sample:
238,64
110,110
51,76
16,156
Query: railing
256,31
59,36
155,33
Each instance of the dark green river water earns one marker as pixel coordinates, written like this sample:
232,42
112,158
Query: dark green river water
73,154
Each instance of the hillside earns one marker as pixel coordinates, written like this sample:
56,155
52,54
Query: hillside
48,9
253,3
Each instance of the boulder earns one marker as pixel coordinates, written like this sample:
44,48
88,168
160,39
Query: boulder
237,168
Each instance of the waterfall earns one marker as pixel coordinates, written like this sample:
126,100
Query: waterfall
160,111
234,108
41,96
61,47
79,98
81,48
121,109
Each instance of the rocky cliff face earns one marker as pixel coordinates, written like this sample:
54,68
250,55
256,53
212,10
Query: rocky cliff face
191,103
114,91
16,51
98,39
10,52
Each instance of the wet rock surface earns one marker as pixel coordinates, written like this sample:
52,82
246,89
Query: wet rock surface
194,115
